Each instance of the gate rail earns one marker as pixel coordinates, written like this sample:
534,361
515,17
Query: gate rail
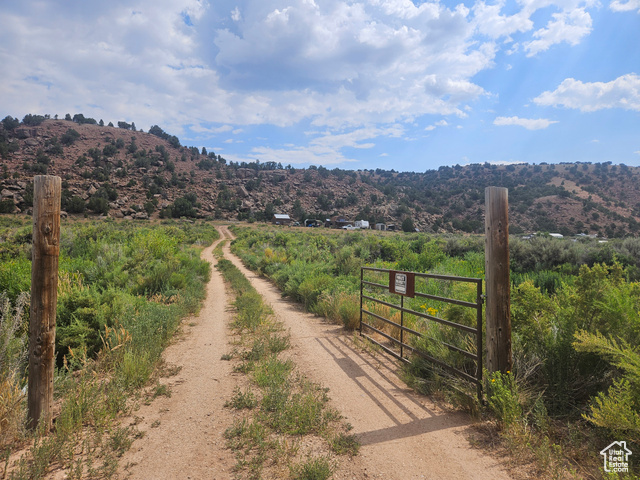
477,330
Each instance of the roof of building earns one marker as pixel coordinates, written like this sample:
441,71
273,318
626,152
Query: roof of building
281,216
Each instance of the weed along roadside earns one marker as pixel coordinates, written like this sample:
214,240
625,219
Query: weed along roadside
574,305
287,428
123,289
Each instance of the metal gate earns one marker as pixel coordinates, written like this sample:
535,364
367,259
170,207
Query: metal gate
407,284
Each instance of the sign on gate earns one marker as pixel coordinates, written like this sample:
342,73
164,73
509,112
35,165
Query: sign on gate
402,283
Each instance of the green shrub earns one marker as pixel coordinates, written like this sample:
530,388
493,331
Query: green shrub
617,410
503,398
273,372
15,277
99,205
75,204
242,400
7,206
80,322
135,369
347,263
345,444
311,288
69,137
313,469
298,413
532,315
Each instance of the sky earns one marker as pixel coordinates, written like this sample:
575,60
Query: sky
355,84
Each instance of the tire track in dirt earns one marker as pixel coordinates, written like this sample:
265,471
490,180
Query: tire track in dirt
183,433
404,435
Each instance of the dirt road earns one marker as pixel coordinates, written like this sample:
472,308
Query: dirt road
403,435
183,433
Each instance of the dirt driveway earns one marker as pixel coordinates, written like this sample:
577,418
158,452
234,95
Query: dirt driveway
403,435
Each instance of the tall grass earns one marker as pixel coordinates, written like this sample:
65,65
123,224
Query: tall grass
13,358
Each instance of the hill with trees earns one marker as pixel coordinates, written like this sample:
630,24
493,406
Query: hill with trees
122,172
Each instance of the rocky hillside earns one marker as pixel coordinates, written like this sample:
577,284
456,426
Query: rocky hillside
122,173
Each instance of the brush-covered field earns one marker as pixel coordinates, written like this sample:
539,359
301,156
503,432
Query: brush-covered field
575,385
123,289
124,286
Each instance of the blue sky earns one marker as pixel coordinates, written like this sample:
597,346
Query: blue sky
357,84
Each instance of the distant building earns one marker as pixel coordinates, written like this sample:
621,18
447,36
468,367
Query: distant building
281,219
381,226
339,222
556,235
362,224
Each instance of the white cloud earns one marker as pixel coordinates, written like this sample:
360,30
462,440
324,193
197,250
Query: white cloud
356,70
337,64
505,162
532,6
441,123
623,92
528,123
569,24
211,130
354,138
295,156
326,148
405,9
569,27
489,20
105,60
625,6
376,61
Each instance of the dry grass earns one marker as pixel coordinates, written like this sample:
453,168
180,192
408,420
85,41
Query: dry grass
341,307
13,355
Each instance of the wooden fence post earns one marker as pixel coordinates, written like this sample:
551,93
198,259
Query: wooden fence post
44,297
498,286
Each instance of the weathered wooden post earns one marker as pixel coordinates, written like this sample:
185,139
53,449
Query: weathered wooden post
44,297
498,286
